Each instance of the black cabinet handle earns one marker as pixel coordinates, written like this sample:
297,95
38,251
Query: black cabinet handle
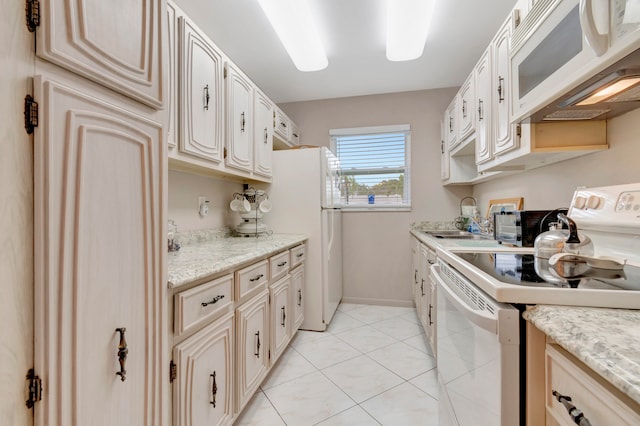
422,287
242,122
464,108
299,297
282,263
256,278
206,97
284,316
430,321
213,301
257,353
214,389
480,109
576,414
500,95
123,352
299,254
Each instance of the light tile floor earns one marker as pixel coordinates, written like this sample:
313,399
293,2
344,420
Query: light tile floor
373,366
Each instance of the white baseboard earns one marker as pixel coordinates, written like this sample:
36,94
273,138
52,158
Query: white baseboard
379,302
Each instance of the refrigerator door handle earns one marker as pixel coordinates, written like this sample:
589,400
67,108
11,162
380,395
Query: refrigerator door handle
330,233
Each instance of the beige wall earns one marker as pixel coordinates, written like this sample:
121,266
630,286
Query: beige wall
553,186
184,190
16,217
376,246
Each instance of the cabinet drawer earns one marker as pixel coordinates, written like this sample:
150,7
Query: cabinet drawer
294,135
200,305
297,255
599,401
279,266
251,279
281,125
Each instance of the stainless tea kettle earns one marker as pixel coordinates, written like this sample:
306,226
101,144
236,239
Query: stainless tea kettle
558,252
558,240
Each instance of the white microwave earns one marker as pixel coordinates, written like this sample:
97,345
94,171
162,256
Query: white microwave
563,50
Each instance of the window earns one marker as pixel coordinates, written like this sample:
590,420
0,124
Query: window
375,166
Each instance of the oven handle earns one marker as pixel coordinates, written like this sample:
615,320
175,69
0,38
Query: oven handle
487,322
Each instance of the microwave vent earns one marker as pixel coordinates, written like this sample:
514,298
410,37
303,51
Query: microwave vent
531,21
577,114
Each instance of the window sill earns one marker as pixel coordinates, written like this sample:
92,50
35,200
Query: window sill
361,209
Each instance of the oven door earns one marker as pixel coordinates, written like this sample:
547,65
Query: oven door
477,353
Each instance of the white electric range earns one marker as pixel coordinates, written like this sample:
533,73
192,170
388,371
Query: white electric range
481,295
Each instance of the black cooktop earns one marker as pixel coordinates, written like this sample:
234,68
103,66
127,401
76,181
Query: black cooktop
527,270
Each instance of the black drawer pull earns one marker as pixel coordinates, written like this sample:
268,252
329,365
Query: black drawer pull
282,263
299,254
576,414
213,301
256,278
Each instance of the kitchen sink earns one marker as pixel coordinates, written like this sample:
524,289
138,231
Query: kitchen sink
457,234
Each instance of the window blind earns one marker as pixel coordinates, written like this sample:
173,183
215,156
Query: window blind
374,166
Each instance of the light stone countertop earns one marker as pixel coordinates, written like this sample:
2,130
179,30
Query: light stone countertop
607,340
199,260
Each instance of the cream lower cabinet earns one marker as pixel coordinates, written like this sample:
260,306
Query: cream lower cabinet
297,299
280,313
228,332
570,381
252,347
424,288
100,304
203,392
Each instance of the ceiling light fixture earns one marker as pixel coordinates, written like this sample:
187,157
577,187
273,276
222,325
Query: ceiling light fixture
407,28
294,25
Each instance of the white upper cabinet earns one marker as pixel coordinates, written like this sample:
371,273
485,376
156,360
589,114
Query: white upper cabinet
239,111
201,107
451,124
173,13
113,44
100,252
281,125
483,108
466,110
503,131
263,134
444,153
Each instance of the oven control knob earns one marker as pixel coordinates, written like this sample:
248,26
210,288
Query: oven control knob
580,202
593,202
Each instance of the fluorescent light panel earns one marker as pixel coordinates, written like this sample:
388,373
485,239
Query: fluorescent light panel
294,25
609,91
407,28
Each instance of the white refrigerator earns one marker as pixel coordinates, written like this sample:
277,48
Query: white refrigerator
305,195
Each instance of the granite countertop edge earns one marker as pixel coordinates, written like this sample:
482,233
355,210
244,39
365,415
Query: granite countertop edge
607,340
197,261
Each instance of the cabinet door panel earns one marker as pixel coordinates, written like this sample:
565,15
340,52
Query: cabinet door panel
465,108
504,137
202,101
252,346
99,180
280,321
297,301
263,135
115,43
173,12
203,390
483,108
239,120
